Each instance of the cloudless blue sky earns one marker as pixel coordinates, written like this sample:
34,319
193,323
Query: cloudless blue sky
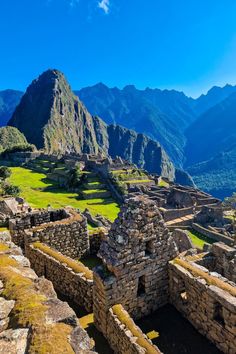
188,45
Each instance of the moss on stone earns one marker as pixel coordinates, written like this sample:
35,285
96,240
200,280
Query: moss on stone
76,266
210,279
6,261
125,319
29,309
51,339
3,247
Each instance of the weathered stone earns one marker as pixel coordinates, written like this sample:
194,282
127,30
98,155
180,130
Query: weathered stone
14,341
5,307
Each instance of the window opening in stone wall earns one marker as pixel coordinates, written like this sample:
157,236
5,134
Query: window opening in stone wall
148,248
141,285
218,314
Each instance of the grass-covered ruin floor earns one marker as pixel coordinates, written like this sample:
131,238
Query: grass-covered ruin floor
39,192
198,239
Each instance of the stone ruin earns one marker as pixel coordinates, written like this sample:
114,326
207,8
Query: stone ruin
32,318
11,206
143,269
135,256
62,229
203,289
187,207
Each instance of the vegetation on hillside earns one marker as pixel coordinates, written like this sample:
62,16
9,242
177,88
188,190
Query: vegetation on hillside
11,139
6,188
39,192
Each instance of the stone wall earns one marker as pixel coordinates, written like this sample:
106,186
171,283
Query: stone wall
206,299
127,339
172,214
32,318
135,256
64,229
212,234
224,260
75,286
18,225
69,236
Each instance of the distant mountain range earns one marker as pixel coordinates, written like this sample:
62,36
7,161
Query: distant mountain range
193,132
52,117
9,99
190,130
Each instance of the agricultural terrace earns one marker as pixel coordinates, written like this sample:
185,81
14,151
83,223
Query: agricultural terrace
39,191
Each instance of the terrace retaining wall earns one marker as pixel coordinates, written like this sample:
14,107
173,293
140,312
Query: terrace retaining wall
212,234
74,286
172,214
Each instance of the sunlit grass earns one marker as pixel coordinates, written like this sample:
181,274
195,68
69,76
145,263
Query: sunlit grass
198,239
39,192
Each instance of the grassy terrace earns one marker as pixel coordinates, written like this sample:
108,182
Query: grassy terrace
39,192
198,239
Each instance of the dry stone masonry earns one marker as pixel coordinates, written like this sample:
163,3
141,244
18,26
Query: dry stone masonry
74,285
135,256
18,225
64,230
204,296
32,318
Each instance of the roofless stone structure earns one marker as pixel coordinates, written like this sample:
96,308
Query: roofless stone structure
135,256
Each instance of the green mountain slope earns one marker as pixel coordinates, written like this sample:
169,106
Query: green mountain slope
212,133
51,117
9,137
161,115
217,176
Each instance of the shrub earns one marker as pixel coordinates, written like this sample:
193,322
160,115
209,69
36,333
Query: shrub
75,176
9,189
5,172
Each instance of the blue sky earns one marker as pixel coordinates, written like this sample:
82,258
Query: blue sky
188,45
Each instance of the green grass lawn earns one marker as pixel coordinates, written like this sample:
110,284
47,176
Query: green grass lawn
39,192
198,239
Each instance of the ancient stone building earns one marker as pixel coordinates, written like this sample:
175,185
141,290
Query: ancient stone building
64,229
135,256
203,289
